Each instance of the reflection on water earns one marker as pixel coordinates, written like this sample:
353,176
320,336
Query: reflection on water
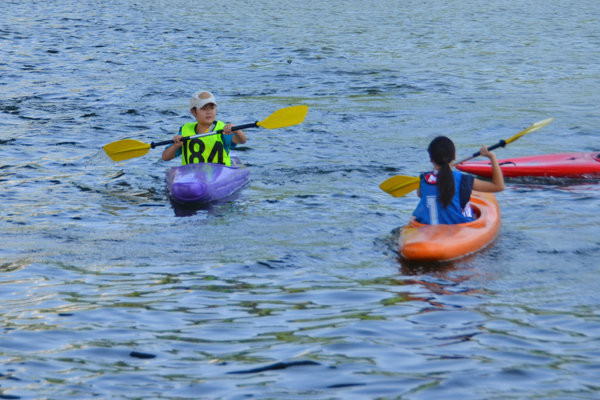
215,208
410,268
543,182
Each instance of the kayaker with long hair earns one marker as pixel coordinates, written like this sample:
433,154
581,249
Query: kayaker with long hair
444,193
207,149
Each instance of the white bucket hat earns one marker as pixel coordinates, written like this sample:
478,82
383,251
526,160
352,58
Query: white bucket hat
200,99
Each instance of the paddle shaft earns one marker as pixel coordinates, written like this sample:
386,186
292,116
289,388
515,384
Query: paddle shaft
184,139
501,143
535,127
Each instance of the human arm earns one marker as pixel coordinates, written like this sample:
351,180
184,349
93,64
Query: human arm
239,137
497,183
171,151
421,177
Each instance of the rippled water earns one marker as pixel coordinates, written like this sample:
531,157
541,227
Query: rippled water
293,287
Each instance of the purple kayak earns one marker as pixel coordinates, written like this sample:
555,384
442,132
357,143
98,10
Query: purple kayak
201,183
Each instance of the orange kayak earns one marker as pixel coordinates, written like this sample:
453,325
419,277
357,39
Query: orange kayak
421,242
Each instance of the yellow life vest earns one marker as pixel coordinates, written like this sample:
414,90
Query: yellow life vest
208,149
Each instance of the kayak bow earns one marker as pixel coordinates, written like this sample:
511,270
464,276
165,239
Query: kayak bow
201,183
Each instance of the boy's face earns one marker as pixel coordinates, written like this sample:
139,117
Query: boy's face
205,115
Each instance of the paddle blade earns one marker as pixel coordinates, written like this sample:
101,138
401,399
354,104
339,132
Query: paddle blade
399,185
126,149
285,117
537,126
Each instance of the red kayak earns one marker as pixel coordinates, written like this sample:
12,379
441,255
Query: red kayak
564,165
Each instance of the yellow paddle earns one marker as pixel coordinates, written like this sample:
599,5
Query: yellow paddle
502,143
130,148
400,185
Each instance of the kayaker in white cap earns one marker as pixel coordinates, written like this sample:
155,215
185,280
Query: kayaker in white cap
207,149
444,193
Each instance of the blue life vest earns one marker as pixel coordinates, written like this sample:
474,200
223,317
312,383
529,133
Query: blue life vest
430,211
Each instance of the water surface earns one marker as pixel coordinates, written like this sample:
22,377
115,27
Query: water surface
292,288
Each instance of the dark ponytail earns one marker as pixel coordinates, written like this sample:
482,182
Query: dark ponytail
442,152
